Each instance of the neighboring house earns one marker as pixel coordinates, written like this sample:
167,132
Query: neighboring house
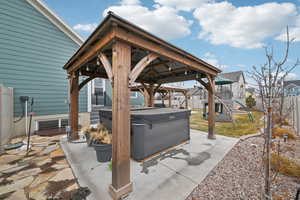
34,46
229,93
292,88
100,95
238,87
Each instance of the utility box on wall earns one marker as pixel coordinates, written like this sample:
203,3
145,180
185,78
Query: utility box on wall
6,115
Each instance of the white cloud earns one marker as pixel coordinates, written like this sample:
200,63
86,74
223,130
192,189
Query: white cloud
212,59
241,65
294,32
185,5
243,27
85,27
289,76
161,20
130,2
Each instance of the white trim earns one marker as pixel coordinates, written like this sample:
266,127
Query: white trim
92,91
43,9
89,96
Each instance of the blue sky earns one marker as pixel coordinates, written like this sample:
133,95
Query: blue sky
228,34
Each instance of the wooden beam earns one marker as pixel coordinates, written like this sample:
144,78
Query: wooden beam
206,85
94,74
107,66
211,110
88,55
173,79
121,184
83,83
74,94
140,66
153,47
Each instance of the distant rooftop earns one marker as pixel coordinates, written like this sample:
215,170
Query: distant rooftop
234,76
295,82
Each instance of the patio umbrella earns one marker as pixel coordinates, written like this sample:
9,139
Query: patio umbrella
223,81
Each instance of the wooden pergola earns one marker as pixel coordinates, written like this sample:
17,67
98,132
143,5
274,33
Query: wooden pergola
124,53
149,92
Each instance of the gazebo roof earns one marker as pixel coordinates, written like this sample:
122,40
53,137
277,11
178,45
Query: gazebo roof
171,64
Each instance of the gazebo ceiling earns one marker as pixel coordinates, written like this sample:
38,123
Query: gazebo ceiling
170,64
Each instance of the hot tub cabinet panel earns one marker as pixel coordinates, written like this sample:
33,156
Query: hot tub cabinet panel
154,129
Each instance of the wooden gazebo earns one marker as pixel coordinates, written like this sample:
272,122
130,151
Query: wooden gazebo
166,92
125,54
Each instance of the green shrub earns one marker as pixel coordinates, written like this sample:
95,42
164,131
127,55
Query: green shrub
250,101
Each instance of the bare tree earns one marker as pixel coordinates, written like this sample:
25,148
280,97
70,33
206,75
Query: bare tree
269,79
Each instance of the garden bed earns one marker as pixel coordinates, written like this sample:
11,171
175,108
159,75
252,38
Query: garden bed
239,175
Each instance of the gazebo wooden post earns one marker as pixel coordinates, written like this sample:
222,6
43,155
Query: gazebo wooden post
151,95
210,87
170,98
146,97
74,94
211,108
186,100
121,63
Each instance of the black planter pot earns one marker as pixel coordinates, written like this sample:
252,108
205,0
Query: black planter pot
103,152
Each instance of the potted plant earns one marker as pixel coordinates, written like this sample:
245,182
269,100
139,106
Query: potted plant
87,130
101,141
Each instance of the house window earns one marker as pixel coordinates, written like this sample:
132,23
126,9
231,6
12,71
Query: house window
133,95
98,90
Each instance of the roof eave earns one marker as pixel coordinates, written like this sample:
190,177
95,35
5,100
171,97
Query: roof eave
56,20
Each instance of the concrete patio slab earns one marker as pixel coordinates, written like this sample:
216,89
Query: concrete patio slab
169,175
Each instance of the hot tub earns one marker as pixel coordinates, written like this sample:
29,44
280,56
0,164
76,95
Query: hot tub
153,129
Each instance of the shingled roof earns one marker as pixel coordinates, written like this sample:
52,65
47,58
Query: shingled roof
234,76
295,82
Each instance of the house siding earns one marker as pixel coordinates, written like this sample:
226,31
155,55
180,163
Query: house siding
138,101
32,54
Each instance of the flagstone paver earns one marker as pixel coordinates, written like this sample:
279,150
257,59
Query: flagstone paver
18,195
25,173
65,174
15,186
26,176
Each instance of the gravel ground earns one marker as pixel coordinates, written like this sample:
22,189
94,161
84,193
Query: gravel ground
239,176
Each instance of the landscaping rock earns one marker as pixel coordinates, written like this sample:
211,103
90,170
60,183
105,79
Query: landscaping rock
59,166
57,153
65,174
9,158
43,162
72,187
25,173
63,162
6,167
14,168
41,178
38,192
18,195
17,185
48,150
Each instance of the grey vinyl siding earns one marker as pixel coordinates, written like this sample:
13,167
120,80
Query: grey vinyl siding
32,54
